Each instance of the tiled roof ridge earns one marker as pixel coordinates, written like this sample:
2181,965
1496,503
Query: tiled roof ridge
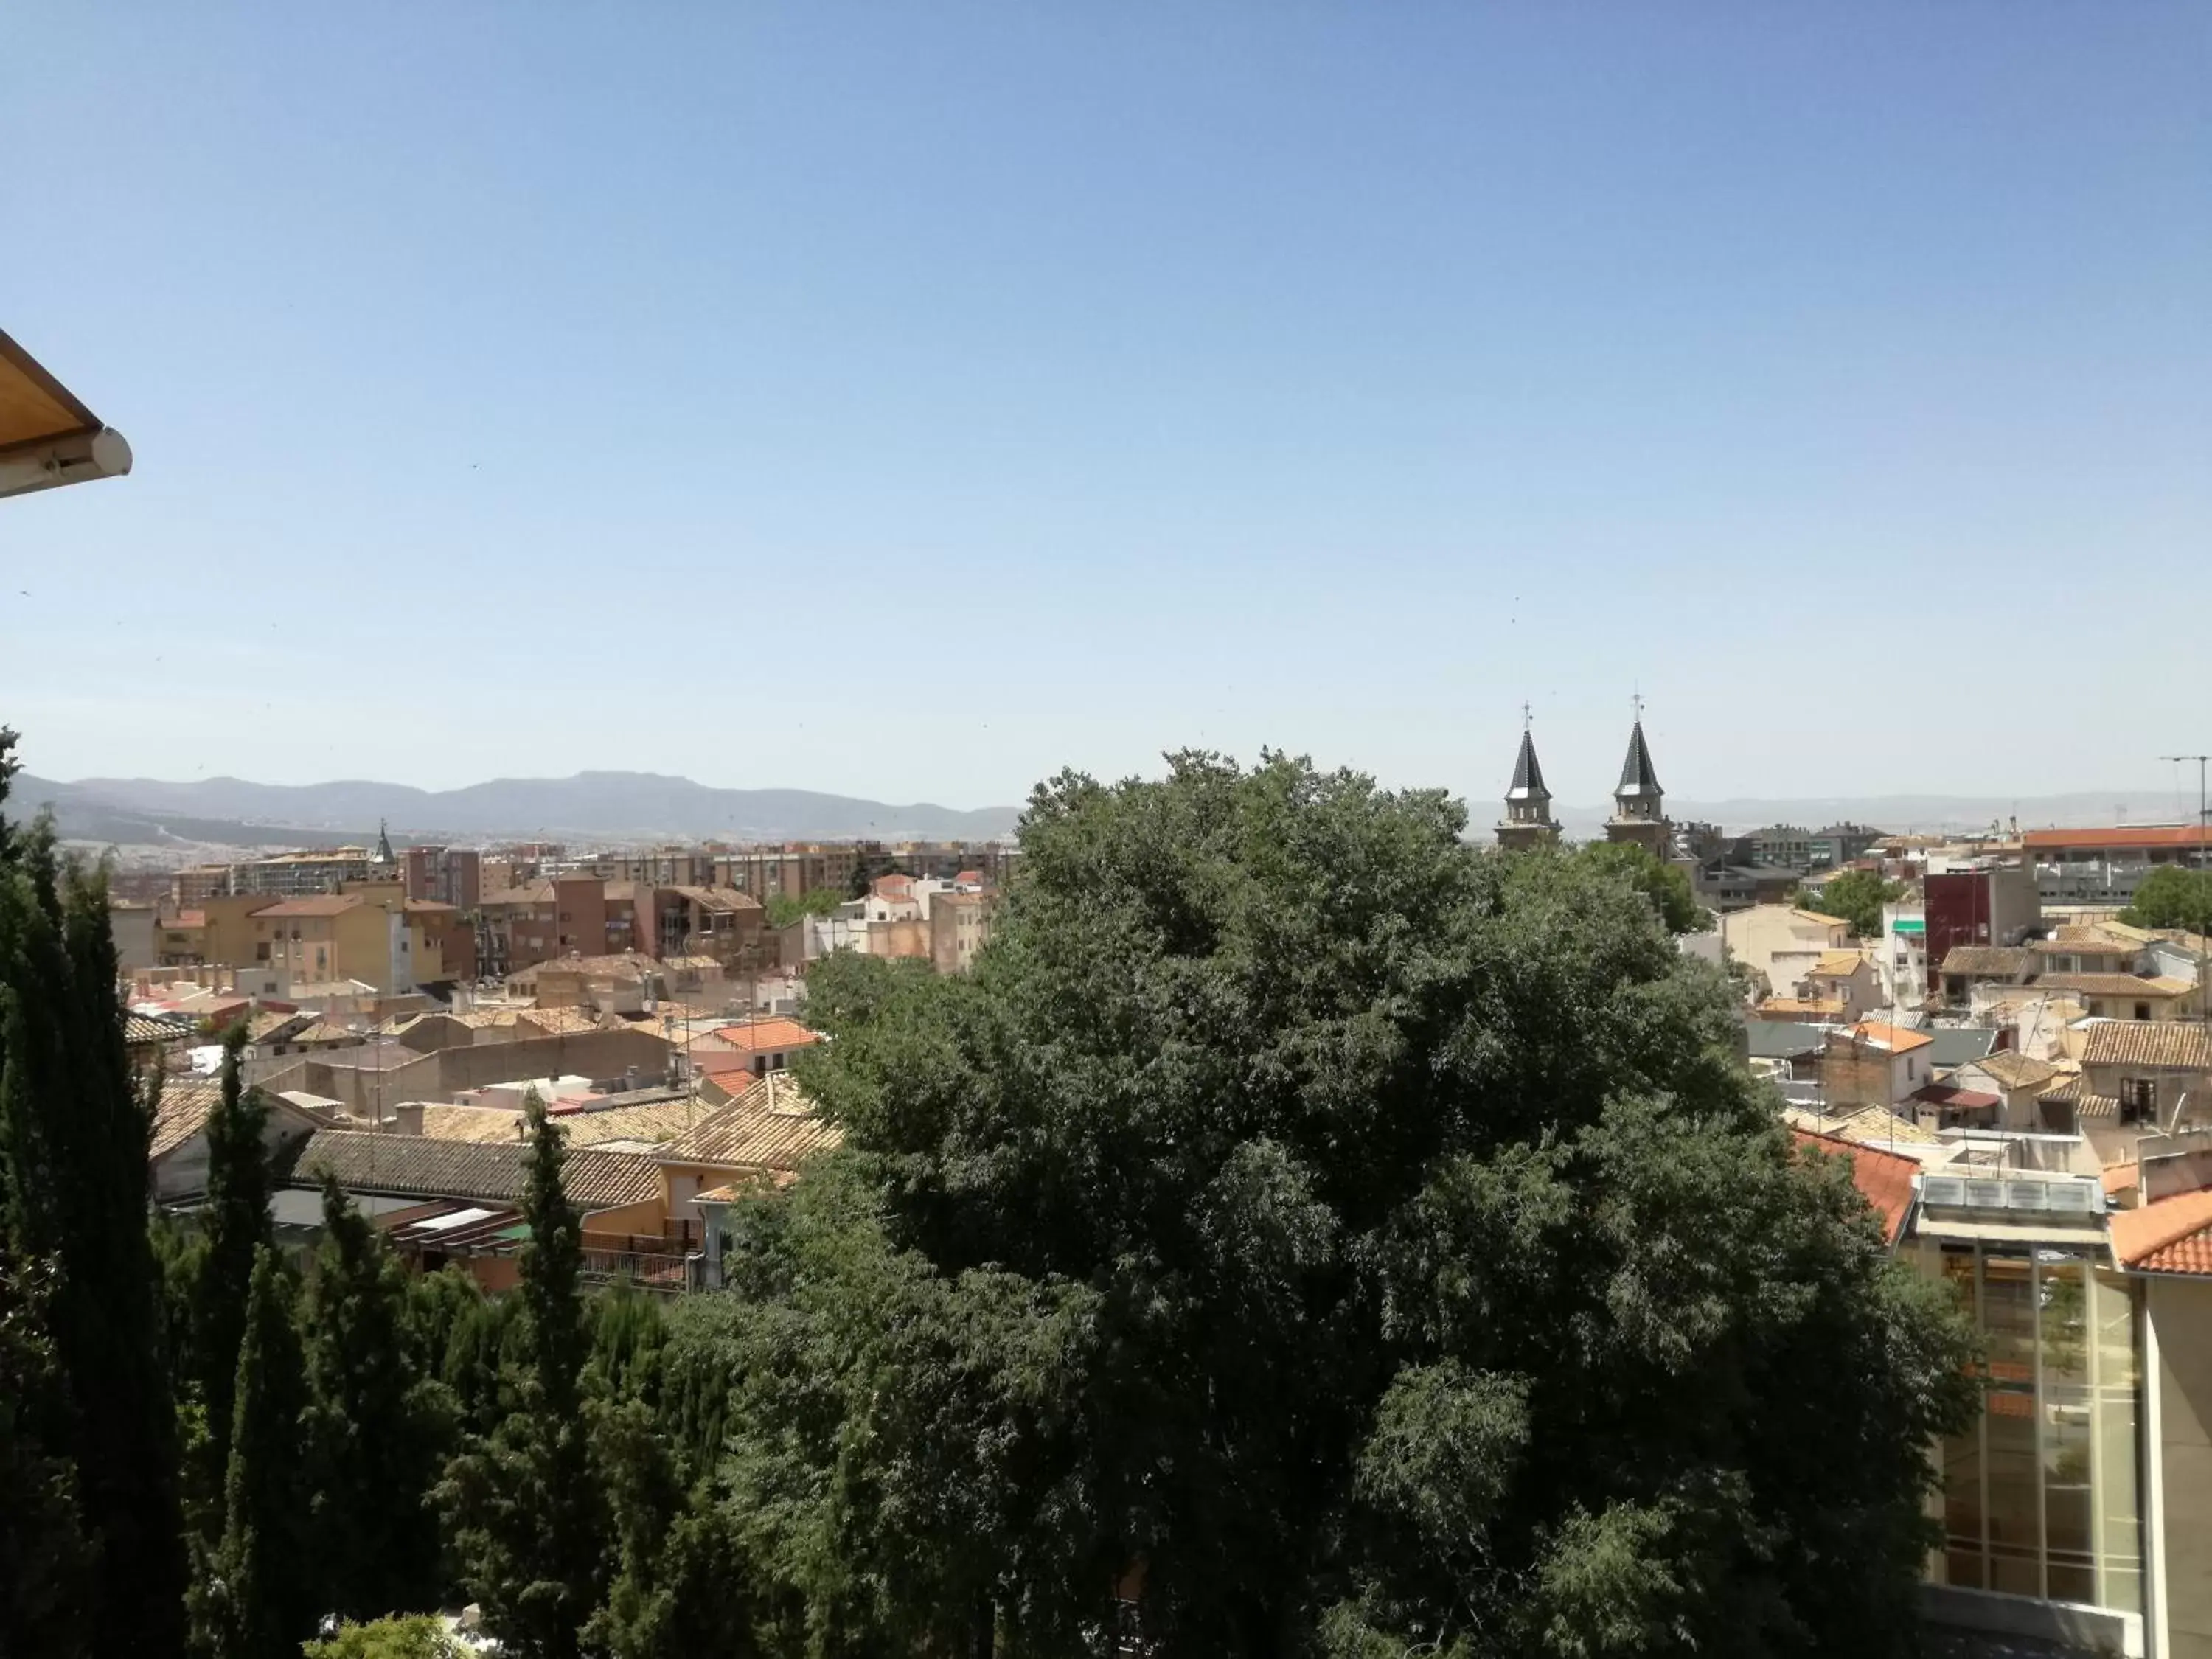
2144,1232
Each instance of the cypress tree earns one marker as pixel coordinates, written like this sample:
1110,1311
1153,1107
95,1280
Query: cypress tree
527,1512
234,1228
43,1555
75,1122
259,1603
377,1429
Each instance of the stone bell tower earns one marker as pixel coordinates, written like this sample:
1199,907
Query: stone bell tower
1528,821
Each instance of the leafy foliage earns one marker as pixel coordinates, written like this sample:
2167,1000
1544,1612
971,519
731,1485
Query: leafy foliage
234,1229
1667,885
258,1602
44,1558
1334,1236
785,909
415,1637
2171,897
377,1430
525,1504
1856,896
75,1122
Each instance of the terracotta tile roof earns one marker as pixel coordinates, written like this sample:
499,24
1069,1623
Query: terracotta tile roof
182,1112
1825,920
323,1031
559,1022
2015,1070
1835,963
656,1121
140,1029
2114,985
622,964
766,1036
418,1166
1896,1039
536,892
772,1126
2084,936
2131,836
263,1021
1802,1007
1964,1100
2173,1236
1884,1179
2121,1178
2173,1045
321,904
1871,1126
184,919
1997,961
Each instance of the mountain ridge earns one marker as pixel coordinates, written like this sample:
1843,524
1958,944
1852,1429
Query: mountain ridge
596,803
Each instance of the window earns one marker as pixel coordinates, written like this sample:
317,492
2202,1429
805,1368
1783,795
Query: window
2142,1010
2138,1100
2039,1495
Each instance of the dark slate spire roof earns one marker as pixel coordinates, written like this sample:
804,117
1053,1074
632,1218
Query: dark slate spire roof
384,854
1637,777
1528,776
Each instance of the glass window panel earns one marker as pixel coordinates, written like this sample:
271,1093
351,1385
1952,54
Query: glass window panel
1963,1543
2062,1295
2118,1536
2014,1483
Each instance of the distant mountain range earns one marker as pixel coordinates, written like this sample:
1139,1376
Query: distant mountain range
643,806
611,804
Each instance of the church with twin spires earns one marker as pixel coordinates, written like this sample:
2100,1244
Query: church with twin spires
1639,814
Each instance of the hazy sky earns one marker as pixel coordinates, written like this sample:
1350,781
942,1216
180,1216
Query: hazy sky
909,400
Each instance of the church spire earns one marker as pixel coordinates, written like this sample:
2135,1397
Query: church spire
384,854
1639,805
1528,821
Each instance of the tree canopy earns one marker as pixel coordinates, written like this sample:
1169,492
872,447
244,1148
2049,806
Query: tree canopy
785,909
1317,1234
2171,897
1667,885
1856,896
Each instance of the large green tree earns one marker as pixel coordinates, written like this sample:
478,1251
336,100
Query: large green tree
527,1512
1856,896
378,1430
1667,885
258,1600
1326,1236
2171,897
75,1121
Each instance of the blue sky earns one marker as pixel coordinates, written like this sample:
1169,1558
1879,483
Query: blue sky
910,400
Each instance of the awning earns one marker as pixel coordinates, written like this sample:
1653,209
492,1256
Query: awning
47,438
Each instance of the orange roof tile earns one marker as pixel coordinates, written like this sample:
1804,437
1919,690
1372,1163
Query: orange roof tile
1884,1179
766,1036
2137,835
321,904
1895,1038
2173,1236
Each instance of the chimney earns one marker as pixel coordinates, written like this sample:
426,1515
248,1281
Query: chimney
407,1118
